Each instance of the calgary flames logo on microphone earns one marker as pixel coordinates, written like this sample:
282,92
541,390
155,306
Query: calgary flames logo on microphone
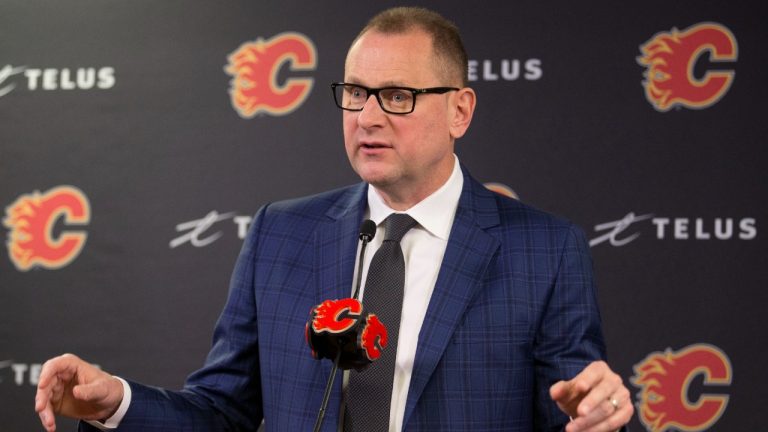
670,57
355,333
664,379
32,218
373,338
336,316
254,68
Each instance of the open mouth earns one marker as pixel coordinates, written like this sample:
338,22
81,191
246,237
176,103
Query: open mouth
373,146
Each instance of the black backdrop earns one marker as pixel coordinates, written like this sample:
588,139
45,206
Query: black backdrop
125,108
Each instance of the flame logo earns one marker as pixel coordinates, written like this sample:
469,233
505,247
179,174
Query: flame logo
336,316
254,67
664,379
373,339
669,58
31,219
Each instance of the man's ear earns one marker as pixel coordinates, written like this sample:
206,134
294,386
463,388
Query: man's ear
461,116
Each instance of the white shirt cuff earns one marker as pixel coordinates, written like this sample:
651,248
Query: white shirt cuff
114,421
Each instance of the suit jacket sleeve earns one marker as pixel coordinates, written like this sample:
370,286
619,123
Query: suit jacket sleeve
226,393
570,334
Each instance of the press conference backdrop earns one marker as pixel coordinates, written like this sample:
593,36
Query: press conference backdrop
137,139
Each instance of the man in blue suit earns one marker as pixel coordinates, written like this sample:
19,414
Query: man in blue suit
500,327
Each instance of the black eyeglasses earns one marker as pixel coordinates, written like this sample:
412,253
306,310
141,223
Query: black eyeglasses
394,100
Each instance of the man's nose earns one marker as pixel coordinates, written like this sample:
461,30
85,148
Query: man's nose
372,114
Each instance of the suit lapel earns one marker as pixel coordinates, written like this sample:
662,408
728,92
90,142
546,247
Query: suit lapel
335,243
467,255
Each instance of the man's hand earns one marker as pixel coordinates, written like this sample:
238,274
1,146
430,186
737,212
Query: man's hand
596,399
71,387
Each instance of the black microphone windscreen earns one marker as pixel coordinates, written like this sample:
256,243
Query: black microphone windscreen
367,230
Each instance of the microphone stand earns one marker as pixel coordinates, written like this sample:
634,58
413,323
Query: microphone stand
327,394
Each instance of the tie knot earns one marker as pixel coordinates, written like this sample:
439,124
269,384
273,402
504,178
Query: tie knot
396,225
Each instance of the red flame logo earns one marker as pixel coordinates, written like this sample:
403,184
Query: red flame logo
373,338
32,218
336,316
664,379
254,67
669,58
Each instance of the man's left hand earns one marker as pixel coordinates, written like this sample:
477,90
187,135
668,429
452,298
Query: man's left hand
596,400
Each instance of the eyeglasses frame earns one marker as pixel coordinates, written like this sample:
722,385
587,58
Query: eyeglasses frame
375,92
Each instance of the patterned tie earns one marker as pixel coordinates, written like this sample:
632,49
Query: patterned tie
369,392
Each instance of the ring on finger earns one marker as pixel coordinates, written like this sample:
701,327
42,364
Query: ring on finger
614,402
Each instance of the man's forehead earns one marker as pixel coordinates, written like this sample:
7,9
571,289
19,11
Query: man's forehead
412,43
389,78
413,33
382,59
364,81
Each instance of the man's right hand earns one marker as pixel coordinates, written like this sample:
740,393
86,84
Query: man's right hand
71,387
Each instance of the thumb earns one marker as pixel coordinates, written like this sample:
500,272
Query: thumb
559,390
91,392
567,397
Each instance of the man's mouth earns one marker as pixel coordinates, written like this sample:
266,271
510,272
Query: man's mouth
373,146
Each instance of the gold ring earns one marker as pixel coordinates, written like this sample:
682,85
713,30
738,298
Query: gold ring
615,403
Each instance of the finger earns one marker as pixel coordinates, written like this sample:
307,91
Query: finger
47,374
606,416
42,396
567,395
576,388
612,423
582,383
63,365
557,390
608,386
47,418
593,420
48,394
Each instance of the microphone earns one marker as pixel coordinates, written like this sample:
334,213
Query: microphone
367,232
341,329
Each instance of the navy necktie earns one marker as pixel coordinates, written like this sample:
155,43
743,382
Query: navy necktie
369,392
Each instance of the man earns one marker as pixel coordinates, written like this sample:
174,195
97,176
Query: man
500,325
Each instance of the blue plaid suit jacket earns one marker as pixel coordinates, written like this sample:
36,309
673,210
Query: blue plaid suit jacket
514,310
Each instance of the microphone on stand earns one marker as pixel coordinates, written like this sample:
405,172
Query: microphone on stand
367,233
342,331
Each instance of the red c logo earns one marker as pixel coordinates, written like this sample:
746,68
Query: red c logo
336,316
254,67
669,59
32,218
664,379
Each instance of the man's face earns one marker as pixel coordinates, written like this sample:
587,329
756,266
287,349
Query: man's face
407,157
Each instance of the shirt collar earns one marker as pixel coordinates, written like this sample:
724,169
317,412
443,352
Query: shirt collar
434,213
